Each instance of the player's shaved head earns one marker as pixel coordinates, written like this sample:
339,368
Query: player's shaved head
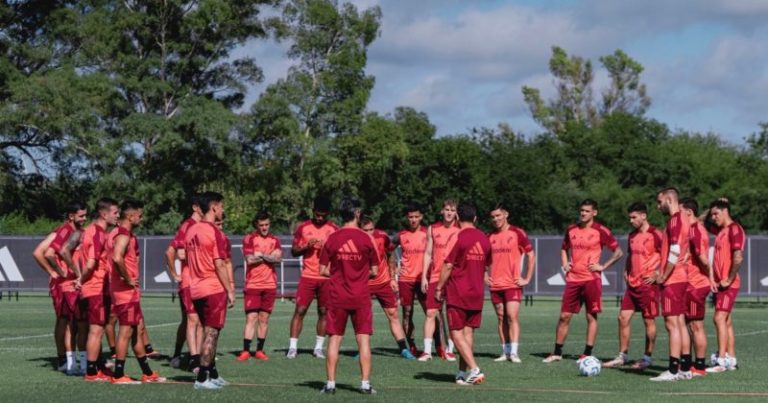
128,206
670,192
467,212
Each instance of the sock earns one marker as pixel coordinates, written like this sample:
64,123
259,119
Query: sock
213,372
293,343
513,348
144,365
92,368
100,364
177,350
194,361
119,369
474,371
505,349
319,340
674,365
412,342
588,349
260,344
401,345
558,349
365,384
450,346
70,360
247,344
62,360
428,346
112,350
700,364
148,348
202,375
685,362
330,384
83,360
648,354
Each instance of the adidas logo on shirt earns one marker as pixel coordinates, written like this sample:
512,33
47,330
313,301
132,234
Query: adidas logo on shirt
476,252
349,251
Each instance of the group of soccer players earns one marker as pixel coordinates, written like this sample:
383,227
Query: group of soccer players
445,267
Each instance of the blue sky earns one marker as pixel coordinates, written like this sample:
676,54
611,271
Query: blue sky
464,62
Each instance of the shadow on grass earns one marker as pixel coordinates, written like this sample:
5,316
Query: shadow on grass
51,362
318,385
435,377
651,371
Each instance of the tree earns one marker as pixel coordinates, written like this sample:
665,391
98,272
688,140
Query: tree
626,94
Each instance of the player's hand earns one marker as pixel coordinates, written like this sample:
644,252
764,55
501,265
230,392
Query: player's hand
131,282
568,267
713,287
230,299
596,267
651,279
424,286
725,284
77,283
314,243
393,284
660,280
521,282
439,295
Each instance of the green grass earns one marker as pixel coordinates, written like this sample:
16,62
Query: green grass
27,351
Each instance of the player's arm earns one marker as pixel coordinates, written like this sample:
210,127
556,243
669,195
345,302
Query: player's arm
445,273
40,257
223,273
276,256
427,261
118,258
617,254
231,272
736,261
170,262
66,254
565,262
297,249
530,268
669,265
374,271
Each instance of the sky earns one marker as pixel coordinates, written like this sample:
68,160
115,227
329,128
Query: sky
464,62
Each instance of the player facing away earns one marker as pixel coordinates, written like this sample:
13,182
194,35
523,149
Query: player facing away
509,245
413,243
94,292
123,247
642,293
54,255
699,286
308,240
349,258
440,239
189,329
583,280
210,284
674,283
462,277
728,258
262,251
384,286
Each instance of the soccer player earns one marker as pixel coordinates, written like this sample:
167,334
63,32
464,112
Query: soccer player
262,251
729,256
210,284
349,258
413,245
384,285
509,244
54,255
189,329
124,287
699,286
583,280
642,293
440,239
94,295
674,283
463,275
307,242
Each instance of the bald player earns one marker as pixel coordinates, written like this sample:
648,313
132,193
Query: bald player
509,245
674,284
54,255
440,240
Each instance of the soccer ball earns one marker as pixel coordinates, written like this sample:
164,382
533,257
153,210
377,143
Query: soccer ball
590,366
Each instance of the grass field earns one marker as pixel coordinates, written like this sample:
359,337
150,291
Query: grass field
28,353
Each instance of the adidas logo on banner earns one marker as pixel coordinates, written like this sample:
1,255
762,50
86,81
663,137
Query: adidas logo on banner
164,277
8,269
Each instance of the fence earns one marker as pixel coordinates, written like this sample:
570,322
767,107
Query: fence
19,271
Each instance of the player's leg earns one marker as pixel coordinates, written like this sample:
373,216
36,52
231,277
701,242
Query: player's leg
513,321
251,321
97,318
194,339
208,355
731,345
592,293
151,353
331,361
58,337
699,342
139,340
429,331
181,335
570,304
261,334
502,327
124,335
322,290
720,320
297,323
362,322
109,331
591,333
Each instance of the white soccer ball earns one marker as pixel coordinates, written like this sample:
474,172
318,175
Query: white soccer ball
590,366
